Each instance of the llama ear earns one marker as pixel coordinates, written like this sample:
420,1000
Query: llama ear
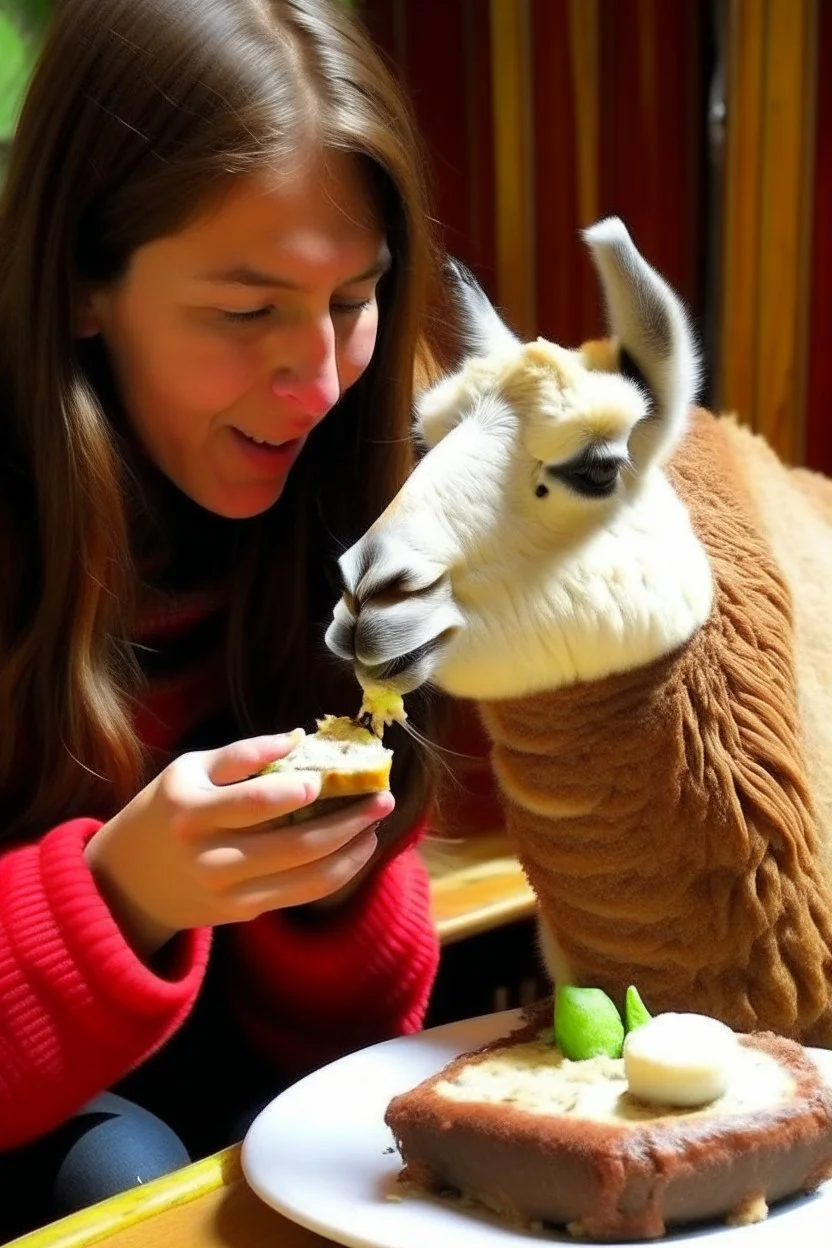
656,342
483,330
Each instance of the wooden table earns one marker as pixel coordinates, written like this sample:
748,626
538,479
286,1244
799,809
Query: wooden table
476,885
206,1205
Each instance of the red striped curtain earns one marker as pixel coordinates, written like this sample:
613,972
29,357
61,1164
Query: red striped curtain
543,115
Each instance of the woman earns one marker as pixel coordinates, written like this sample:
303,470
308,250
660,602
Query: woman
214,268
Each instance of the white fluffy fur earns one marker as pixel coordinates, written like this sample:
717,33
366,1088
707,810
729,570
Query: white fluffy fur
528,592
627,595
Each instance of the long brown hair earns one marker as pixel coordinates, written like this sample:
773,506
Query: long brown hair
138,111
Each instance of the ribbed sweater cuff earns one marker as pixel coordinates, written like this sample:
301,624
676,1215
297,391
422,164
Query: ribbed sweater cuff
73,952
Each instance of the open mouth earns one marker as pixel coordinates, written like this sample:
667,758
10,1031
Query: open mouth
408,671
274,446
264,446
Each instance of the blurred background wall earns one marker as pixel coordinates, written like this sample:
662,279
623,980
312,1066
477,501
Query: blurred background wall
705,124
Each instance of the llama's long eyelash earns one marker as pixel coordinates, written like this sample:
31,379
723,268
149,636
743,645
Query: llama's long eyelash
593,473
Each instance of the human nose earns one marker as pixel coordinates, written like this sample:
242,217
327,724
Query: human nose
311,380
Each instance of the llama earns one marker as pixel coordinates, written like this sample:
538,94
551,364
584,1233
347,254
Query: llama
632,591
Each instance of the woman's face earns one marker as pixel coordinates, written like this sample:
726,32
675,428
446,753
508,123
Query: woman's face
232,339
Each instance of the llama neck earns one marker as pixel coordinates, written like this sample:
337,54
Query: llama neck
669,841
664,817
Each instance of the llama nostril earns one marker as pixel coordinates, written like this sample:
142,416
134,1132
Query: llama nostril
391,592
393,589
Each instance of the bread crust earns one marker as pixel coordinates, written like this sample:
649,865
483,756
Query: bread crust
341,783
359,783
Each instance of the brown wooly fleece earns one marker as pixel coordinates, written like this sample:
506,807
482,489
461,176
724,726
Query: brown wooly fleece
663,816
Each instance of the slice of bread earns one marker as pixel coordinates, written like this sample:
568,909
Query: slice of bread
350,760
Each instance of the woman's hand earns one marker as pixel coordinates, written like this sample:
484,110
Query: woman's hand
190,850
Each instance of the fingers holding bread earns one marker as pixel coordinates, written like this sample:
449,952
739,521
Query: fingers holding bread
269,851
219,836
232,763
280,781
316,882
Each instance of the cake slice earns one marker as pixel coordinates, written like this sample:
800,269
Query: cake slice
539,1139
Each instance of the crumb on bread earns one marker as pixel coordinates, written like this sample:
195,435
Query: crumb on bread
349,758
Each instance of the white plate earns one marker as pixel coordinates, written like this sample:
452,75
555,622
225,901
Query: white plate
321,1155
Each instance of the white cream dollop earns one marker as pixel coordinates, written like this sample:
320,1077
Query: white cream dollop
680,1059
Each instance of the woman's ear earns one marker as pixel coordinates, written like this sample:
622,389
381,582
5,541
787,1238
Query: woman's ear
87,315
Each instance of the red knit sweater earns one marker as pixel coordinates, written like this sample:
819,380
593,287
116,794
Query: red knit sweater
79,1010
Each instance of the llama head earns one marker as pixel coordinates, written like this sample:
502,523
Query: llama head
537,541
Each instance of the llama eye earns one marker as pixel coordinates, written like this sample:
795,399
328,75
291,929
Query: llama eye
594,478
602,472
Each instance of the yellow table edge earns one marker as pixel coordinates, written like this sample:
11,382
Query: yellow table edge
521,905
477,886
91,1226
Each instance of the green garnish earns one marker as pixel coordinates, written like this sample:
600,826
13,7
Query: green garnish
636,1013
587,1024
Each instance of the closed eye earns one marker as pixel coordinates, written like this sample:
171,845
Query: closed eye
346,308
594,476
341,308
253,314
